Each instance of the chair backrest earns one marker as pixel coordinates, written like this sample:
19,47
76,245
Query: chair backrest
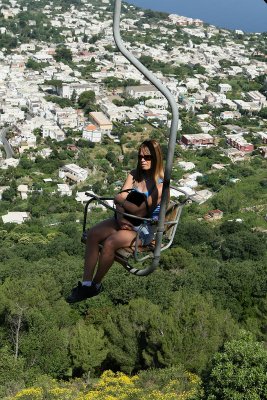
172,214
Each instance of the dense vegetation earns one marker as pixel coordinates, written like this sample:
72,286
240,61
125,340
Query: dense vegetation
211,285
193,330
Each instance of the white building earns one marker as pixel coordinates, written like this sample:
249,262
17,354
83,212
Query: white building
92,133
81,197
9,162
15,217
143,91
225,87
101,121
53,131
257,97
201,196
230,115
252,106
192,83
68,88
113,112
159,104
206,126
67,118
73,172
64,189
23,190
186,166
34,104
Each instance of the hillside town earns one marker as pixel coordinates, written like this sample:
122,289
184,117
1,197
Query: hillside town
183,312
204,63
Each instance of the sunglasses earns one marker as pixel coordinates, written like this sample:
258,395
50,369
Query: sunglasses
146,157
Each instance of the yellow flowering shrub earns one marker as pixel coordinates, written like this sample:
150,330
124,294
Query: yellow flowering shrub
65,390
167,395
117,386
113,386
29,394
194,382
55,391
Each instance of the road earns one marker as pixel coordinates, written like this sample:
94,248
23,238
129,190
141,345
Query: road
7,147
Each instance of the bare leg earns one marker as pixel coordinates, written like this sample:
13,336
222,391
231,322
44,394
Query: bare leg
96,235
117,240
113,238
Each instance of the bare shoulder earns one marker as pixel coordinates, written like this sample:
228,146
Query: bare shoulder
128,184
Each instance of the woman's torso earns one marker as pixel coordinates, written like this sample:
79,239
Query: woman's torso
146,187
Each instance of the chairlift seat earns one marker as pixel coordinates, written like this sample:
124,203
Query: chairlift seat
140,253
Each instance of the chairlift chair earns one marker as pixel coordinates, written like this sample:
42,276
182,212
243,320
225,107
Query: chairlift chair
169,212
136,253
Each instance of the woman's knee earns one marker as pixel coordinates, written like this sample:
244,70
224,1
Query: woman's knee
117,241
93,235
111,244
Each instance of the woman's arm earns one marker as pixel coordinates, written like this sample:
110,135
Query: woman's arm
152,201
119,200
128,184
140,211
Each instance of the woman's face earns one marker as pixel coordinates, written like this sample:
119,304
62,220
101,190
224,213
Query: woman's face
145,158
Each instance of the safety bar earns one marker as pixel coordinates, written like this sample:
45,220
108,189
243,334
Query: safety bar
172,137
136,256
102,200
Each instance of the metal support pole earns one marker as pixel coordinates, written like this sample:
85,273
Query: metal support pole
172,137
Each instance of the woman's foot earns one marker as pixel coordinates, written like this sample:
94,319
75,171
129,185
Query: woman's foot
80,292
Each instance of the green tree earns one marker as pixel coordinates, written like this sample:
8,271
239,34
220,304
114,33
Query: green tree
73,96
112,82
63,54
37,331
35,65
86,98
194,323
62,102
191,233
263,112
237,285
111,157
176,258
244,245
87,346
8,41
146,60
10,193
128,329
227,201
12,372
238,372
56,83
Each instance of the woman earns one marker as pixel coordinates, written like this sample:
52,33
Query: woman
119,232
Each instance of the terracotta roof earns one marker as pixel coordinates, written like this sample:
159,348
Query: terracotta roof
90,127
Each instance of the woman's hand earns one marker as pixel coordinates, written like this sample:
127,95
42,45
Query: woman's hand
123,222
125,226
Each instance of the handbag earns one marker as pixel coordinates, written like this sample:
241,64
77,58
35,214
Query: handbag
136,198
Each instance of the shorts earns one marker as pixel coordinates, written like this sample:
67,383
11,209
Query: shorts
146,233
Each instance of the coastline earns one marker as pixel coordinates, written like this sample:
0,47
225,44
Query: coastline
240,14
